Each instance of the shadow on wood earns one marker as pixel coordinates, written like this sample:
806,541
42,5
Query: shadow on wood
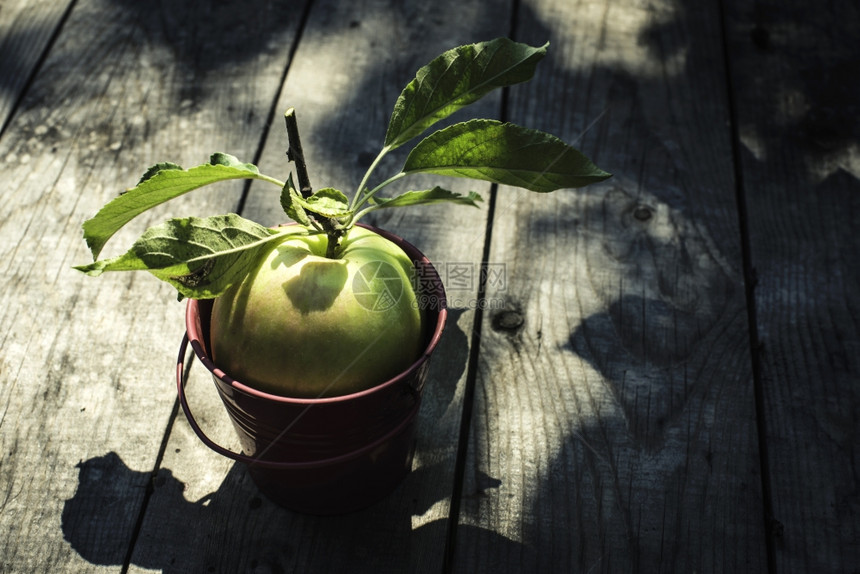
203,38
175,535
91,517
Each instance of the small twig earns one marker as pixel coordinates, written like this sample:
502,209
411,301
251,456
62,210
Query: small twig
295,154
332,228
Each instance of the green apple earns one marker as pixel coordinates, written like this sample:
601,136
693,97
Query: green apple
303,325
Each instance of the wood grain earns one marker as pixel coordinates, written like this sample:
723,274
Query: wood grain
614,426
798,128
26,29
87,364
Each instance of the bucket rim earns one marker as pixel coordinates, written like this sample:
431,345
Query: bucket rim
195,335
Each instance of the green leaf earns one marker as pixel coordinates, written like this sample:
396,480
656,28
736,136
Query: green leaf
289,195
456,79
201,257
227,160
157,168
503,153
327,202
161,183
435,195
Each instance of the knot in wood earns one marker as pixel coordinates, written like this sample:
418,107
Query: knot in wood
507,321
642,212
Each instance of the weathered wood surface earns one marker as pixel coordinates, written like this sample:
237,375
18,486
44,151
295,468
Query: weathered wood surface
86,364
613,383
798,125
614,423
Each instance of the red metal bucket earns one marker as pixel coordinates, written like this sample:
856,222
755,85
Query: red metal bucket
328,455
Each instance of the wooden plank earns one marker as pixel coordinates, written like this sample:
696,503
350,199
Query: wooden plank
798,127
87,365
26,29
614,426
353,60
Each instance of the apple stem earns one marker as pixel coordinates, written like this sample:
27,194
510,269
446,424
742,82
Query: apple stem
295,154
331,226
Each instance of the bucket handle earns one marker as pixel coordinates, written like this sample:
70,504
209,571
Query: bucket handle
254,461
